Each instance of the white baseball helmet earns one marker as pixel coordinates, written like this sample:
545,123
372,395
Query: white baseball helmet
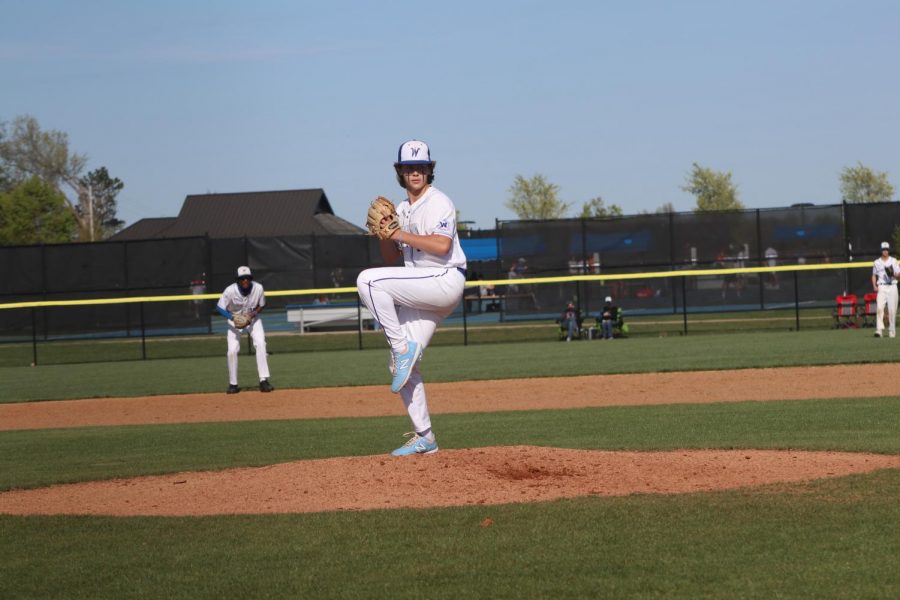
414,152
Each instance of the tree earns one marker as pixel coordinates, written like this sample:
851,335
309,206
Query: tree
535,198
97,204
714,191
7,182
34,213
8,179
596,207
26,150
861,184
665,208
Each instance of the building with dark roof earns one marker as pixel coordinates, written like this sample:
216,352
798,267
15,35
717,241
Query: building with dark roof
251,214
145,229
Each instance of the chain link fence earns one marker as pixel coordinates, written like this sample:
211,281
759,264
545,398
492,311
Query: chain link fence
651,243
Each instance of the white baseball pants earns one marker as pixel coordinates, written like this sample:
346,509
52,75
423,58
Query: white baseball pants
408,303
887,297
258,335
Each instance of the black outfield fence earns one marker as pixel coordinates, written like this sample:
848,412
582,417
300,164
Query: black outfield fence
167,267
628,246
802,235
676,297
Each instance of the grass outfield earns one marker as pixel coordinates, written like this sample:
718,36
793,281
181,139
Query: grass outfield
20,354
825,539
828,539
452,363
835,538
34,458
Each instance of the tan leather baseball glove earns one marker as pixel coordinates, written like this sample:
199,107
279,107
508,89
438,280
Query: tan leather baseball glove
382,220
241,320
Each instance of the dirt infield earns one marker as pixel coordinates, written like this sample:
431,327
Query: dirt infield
796,383
451,477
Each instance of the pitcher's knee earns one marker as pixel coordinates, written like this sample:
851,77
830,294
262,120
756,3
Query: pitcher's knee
363,280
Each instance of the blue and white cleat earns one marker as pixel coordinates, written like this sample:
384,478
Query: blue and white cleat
403,365
416,444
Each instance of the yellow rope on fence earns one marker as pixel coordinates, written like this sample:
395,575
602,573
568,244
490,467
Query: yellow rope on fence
480,282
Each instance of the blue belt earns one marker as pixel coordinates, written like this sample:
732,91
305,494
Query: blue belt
461,270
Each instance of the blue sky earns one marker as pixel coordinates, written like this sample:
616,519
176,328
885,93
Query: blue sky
611,99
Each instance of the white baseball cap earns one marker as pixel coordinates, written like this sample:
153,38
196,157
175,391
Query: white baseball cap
244,272
885,246
414,152
609,299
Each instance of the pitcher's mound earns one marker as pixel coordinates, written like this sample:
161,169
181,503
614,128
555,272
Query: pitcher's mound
494,475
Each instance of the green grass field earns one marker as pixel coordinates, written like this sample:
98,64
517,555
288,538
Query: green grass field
101,350
836,538
453,363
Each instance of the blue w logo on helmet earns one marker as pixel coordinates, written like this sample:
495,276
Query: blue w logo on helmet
410,153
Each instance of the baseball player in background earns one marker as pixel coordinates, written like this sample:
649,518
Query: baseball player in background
411,300
885,272
241,303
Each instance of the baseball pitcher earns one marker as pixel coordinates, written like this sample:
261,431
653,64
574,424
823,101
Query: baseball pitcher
410,300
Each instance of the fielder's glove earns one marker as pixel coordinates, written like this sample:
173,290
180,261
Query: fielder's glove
241,320
889,270
382,220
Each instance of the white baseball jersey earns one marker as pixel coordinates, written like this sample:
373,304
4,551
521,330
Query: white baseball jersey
879,270
411,300
234,302
432,214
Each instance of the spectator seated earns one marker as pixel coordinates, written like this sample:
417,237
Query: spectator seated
579,330
617,326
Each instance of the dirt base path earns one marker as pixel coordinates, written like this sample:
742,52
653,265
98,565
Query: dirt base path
450,477
470,396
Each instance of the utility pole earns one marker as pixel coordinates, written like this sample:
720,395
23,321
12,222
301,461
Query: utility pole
91,209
